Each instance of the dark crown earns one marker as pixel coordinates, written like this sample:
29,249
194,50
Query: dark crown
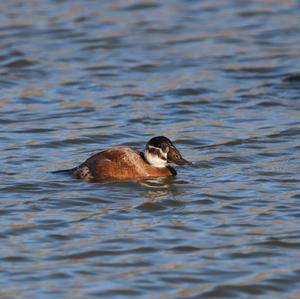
159,140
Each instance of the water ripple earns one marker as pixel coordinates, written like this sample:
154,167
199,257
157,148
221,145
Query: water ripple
78,77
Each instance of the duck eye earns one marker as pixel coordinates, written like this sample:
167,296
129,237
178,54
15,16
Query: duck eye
176,156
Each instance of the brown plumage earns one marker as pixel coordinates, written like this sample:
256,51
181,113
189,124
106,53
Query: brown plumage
121,163
124,163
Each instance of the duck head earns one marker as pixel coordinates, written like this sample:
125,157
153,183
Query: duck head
160,151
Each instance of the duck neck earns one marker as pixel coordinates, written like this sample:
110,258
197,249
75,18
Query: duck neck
171,169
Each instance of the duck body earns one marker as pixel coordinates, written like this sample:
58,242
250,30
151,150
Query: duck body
124,163
120,163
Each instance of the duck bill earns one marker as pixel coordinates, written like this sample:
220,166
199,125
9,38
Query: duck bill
182,161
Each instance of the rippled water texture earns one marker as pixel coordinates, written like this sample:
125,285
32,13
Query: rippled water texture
220,78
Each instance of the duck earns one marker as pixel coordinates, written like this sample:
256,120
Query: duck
125,163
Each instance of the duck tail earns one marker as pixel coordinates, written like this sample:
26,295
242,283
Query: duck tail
64,171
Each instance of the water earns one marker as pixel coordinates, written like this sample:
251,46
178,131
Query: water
219,78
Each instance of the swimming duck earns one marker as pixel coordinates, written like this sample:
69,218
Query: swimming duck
124,163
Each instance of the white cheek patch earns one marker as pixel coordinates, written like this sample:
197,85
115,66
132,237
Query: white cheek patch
155,160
